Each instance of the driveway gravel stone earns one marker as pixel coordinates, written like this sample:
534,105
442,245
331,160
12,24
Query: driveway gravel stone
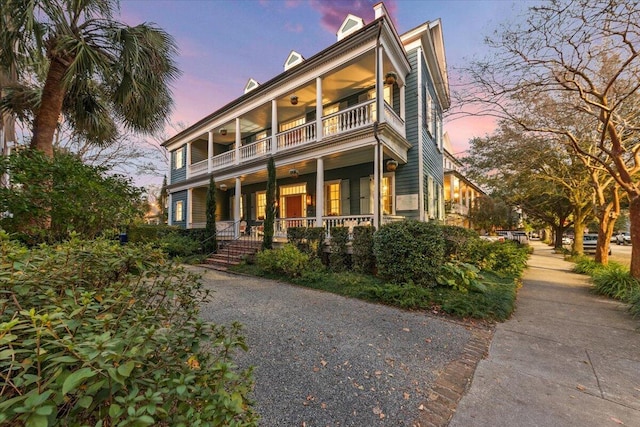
324,360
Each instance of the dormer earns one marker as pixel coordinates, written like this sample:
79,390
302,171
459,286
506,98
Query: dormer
251,85
293,59
350,25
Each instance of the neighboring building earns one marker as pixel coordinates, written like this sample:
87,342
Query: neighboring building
355,132
460,194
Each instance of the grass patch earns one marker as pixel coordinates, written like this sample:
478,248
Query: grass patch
497,302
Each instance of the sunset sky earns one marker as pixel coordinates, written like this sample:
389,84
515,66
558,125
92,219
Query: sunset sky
224,43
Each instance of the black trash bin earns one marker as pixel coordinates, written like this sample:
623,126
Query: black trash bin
123,238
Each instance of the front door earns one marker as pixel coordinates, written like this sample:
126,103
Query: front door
293,209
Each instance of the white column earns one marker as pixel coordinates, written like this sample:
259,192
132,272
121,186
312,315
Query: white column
319,130
210,153
170,209
402,106
380,85
189,210
236,208
238,137
421,180
187,160
274,126
376,187
319,191
452,189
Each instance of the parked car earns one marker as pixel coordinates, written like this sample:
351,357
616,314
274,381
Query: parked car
589,243
520,237
566,240
623,238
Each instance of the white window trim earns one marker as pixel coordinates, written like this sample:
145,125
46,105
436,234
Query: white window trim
326,196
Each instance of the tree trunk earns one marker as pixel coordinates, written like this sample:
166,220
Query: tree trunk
46,119
558,231
578,234
634,219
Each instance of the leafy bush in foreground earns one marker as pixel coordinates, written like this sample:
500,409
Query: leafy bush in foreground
409,252
94,333
507,259
285,260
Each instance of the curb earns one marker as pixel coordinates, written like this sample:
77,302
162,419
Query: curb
454,381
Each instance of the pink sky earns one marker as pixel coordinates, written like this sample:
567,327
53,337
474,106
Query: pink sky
224,43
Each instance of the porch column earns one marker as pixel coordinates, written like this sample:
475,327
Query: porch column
319,130
319,191
170,209
210,153
274,126
376,188
187,160
236,209
238,136
189,210
380,84
452,189
402,106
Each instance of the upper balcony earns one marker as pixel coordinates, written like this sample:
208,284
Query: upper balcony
308,110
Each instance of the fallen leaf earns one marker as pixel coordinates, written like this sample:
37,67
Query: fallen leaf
581,387
406,395
377,410
421,407
310,397
323,405
378,373
406,329
428,340
316,369
615,420
323,363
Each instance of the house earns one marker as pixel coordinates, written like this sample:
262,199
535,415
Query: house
355,132
460,194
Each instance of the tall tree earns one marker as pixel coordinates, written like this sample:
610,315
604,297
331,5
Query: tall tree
579,58
97,73
211,243
270,209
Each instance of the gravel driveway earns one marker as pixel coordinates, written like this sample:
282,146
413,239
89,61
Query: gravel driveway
324,360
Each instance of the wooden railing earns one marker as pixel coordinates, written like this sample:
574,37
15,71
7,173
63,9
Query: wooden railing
346,120
297,136
255,149
391,117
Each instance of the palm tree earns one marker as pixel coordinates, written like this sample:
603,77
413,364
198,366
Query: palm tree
96,73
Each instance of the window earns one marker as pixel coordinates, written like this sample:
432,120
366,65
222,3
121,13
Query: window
332,197
427,110
178,159
179,211
387,195
261,205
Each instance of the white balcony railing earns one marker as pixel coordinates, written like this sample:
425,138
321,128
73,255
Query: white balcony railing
343,121
198,168
255,149
224,159
297,136
391,117
346,120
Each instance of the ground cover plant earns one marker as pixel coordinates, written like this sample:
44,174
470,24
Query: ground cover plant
484,287
612,280
97,333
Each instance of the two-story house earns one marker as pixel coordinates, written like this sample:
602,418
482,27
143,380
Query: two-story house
460,194
355,132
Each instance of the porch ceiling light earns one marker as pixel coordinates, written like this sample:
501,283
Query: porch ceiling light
294,99
390,78
392,165
223,187
294,173
223,131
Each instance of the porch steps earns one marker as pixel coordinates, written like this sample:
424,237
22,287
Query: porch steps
232,252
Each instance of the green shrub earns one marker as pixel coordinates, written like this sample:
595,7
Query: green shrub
461,277
459,241
634,308
615,281
177,245
95,333
362,247
338,257
409,252
507,259
586,265
315,239
145,233
286,260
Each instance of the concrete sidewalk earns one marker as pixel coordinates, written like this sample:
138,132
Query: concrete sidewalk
566,358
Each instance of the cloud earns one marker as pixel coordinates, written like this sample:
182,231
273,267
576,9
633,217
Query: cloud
293,28
333,12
